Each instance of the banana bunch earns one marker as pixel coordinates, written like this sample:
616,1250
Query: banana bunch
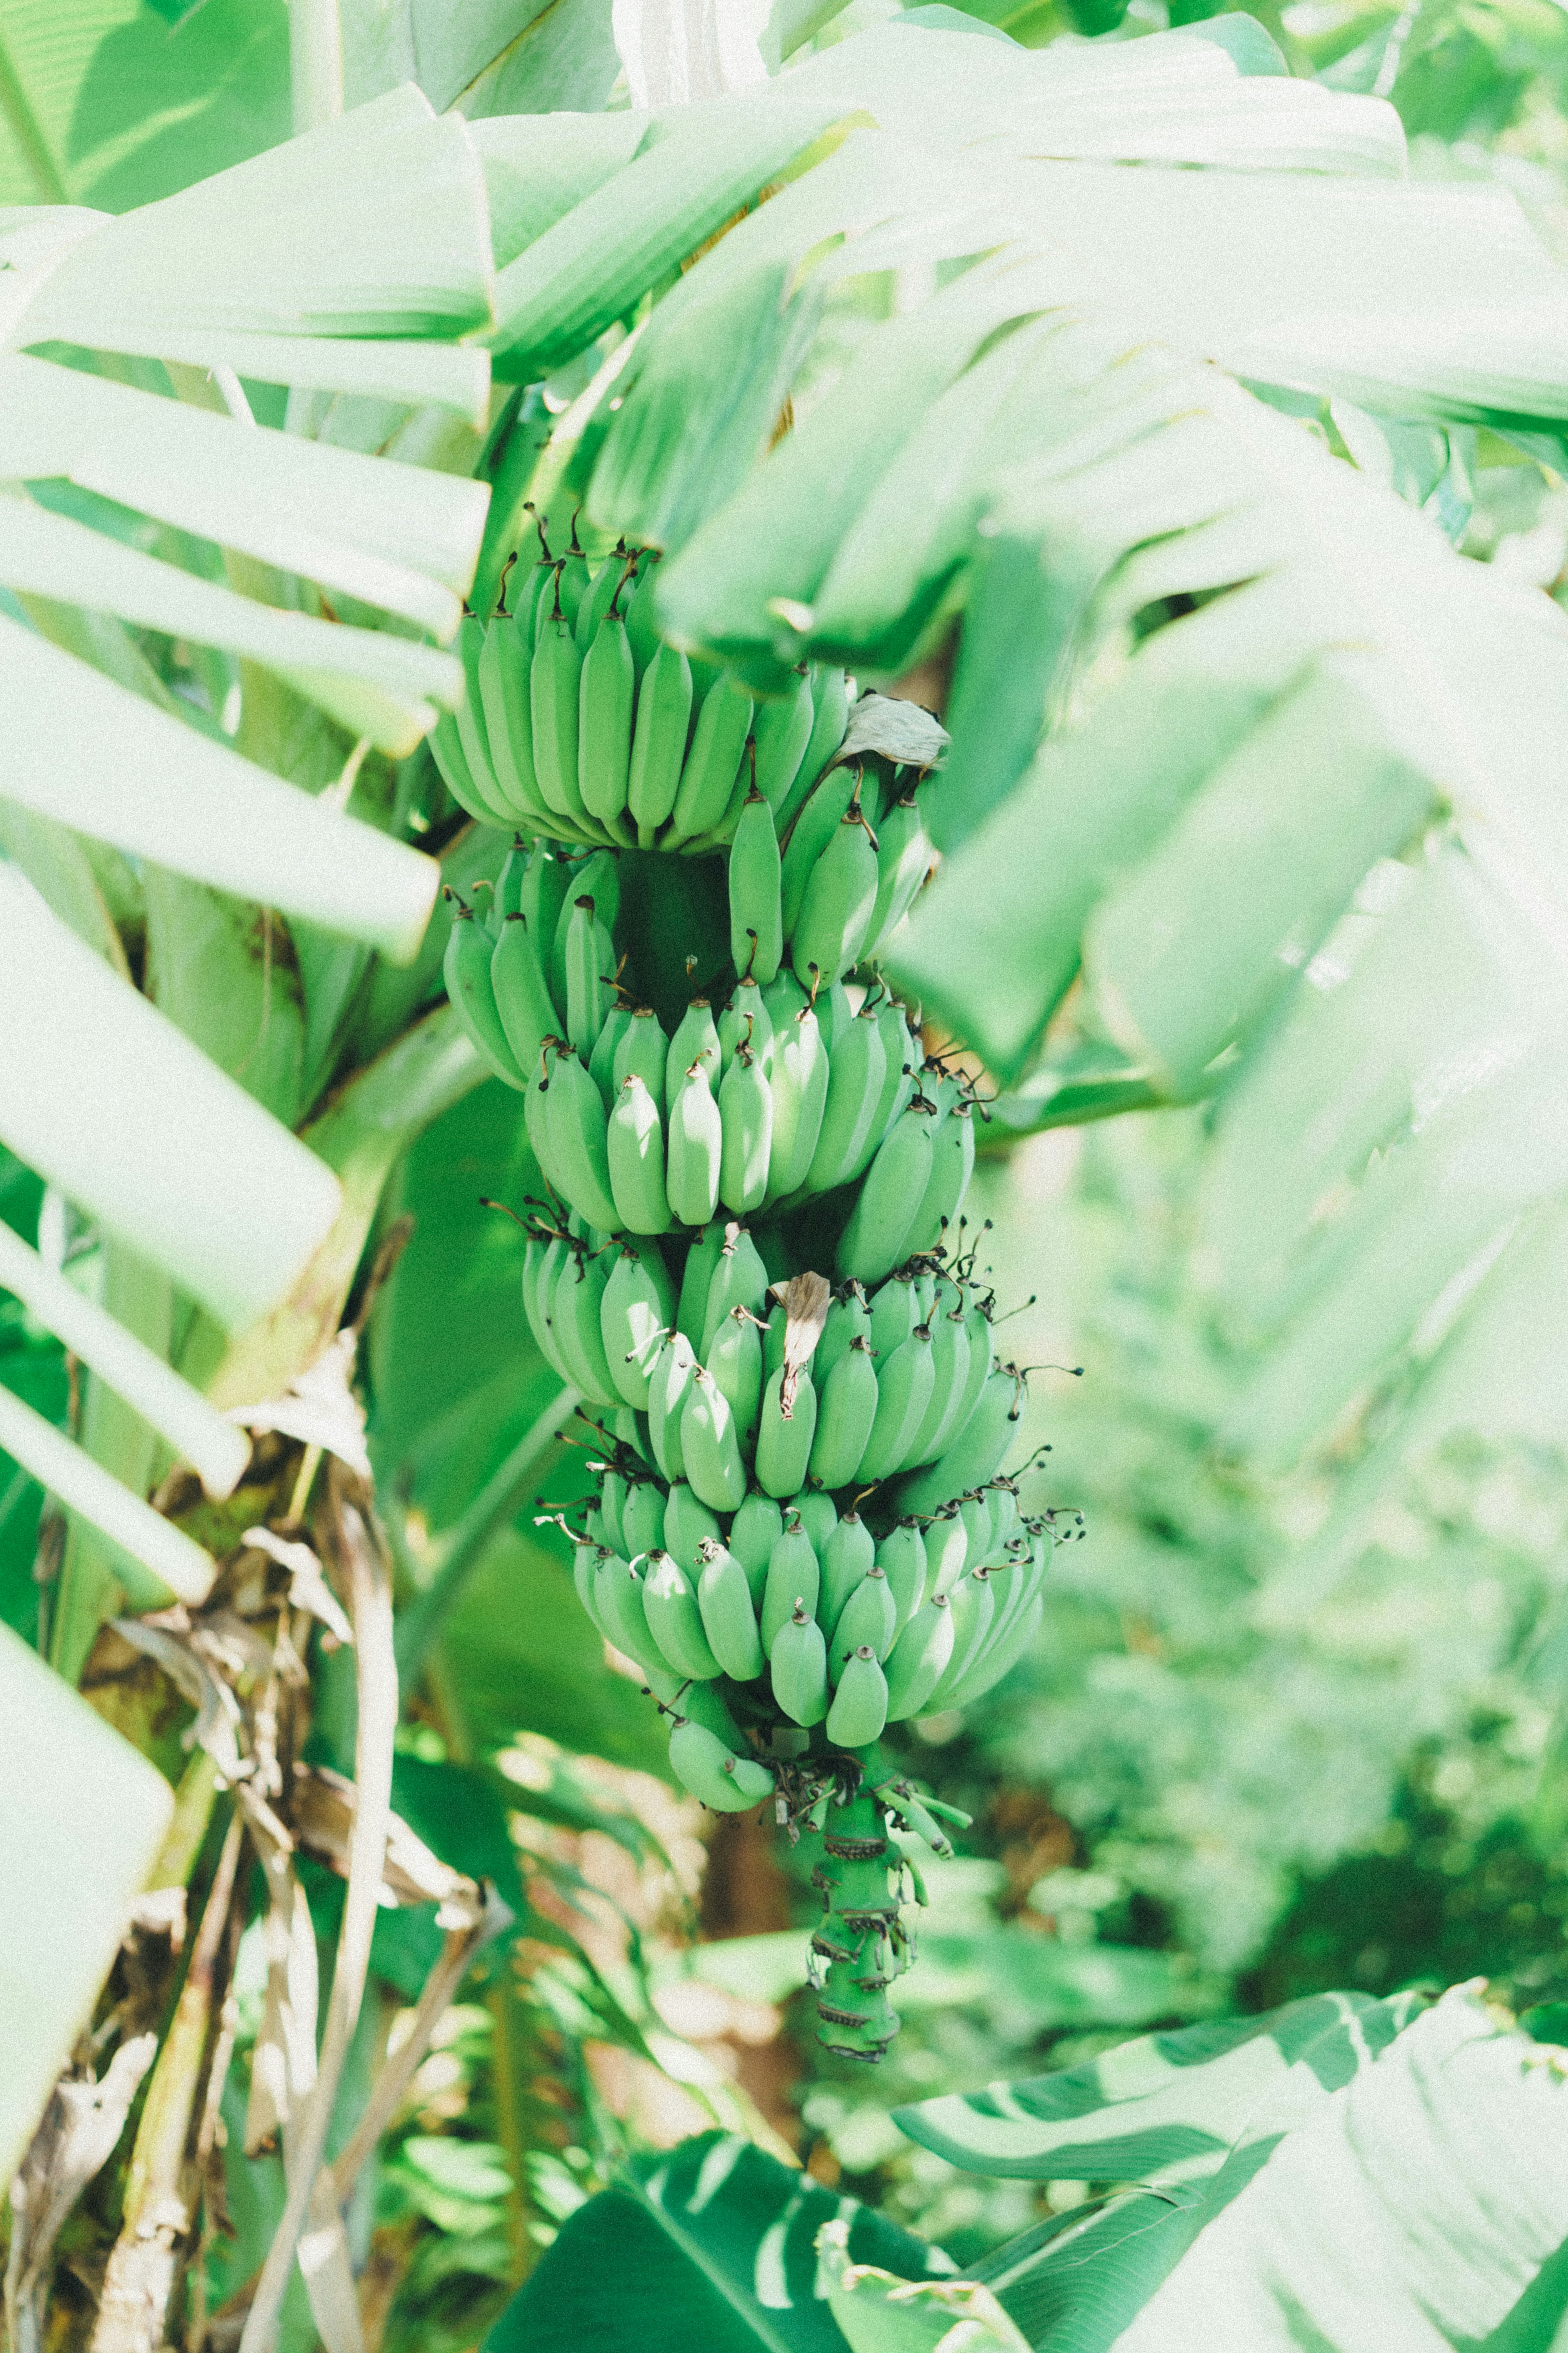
581,724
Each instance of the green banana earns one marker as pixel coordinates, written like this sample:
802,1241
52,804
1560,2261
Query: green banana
522,1000
633,1153
973,1604
467,971
745,1021
618,1591
818,1518
950,1369
577,1143
947,1550
604,592
850,1396
694,1150
754,1532
736,1278
818,821
503,679
904,854
708,778
735,1361
674,1618
688,1525
962,1401
658,742
669,1389
782,730
757,900
711,1446
574,580
974,1455
612,1504
579,1331
634,1313
783,1446
696,1042
847,1554
643,1052
541,902
901,1558
904,1383
539,1323
585,982
642,1518
602,1060
798,1660
976,1521
952,1167
799,1082
920,1658
859,1708
447,746
834,914
746,1121
830,718
725,1783
857,1066
792,1576
542,1304
554,688
900,1080
895,1312
606,698
848,1319
597,876
470,720
873,1240
697,1280
641,627
585,1558
729,1619
869,1618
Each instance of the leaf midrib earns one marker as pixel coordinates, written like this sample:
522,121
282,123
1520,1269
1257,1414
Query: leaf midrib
749,2312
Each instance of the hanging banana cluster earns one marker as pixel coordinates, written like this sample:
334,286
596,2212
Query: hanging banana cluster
581,724
803,1529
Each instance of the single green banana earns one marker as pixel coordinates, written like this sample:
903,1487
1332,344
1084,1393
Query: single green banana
641,627
554,685
799,1082
976,1521
782,730
612,1504
505,698
696,1041
920,1658
643,1052
834,914
447,746
848,1409
712,763
947,1550
904,855
619,1589
798,1660
869,1618
745,1021
637,1310
757,901
602,1060
847,1556
973,1604
793,1576
541,1313
658,742
818,1517
857,1068
541,902
746,1119
901,1558
579,1331
607,699
725,1783
754,1532
585,981
688,1525
669,1389
598,877
711,1446
903,1393
830,718
697,1280
634,1150
963,1400
522,1000
950,1369
585,1558
900,1073
819,819
735,1361
674,1618
737,1279
642,1518
1002,1501
873,1241
729,1619
575,579
848,1319
469,719
859,1708
974,1455
694,1150
783,1446
603,590
952,1165
467,970
895,1312
534,1307
577,1143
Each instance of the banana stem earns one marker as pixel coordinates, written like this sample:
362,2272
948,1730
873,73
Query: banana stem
860,1945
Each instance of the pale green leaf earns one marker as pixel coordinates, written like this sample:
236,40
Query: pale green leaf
156,1561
